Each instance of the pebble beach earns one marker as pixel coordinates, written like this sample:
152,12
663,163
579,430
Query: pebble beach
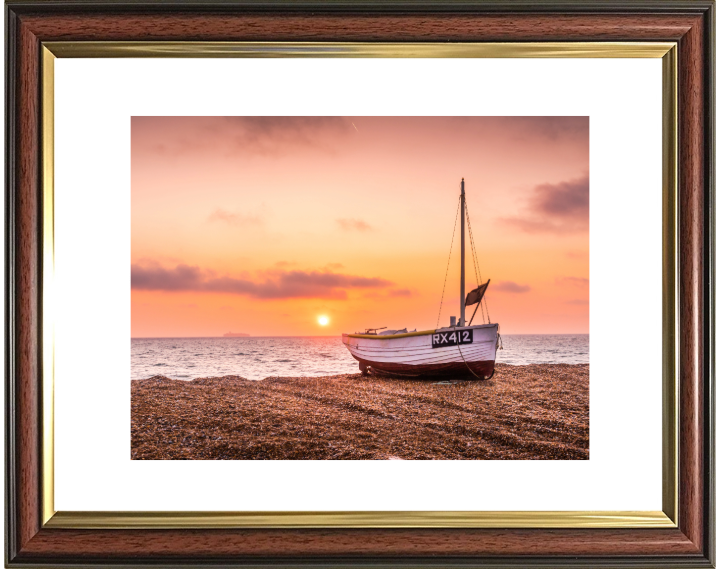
538,411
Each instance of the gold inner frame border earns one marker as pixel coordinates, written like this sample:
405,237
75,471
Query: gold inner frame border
665,518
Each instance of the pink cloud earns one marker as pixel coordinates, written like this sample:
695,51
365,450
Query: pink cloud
352,224
560,208
276,285
509,286
236,219
573,281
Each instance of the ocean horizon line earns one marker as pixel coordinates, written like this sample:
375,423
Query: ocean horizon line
327,336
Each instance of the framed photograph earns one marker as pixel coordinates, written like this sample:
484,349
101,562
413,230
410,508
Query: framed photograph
378,284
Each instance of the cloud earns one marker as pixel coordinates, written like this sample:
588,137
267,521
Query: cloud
573,281
155,277
402,293
509,286
352,224
235,219
577,302
576,254
294,127
547,130
285,263
551,129
564,199
250,135
335,265
561,208
275,135
276,284
554,127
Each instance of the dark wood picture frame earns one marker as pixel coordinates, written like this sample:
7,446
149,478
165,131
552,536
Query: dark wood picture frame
31,23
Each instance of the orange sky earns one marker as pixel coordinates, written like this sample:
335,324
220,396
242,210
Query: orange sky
260,225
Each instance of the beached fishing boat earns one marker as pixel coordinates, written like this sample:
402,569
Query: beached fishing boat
458,350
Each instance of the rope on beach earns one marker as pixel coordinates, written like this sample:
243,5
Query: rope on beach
442,297
463,357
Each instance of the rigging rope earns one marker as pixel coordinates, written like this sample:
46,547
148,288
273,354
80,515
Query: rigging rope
442,297
476,265
473,315
478,275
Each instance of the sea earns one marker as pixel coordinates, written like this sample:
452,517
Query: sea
256,358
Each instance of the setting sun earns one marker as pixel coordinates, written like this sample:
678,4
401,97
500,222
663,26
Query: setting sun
323,320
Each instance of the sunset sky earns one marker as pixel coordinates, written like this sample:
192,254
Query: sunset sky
264,224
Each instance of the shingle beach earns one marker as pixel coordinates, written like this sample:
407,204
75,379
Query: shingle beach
538,411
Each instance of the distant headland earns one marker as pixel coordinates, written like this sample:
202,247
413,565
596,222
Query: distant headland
235,335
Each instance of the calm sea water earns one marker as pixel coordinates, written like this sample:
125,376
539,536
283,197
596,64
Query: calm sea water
257,358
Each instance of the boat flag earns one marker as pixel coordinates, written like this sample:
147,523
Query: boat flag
474,296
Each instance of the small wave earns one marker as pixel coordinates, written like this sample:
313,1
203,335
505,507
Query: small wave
282,360
161,364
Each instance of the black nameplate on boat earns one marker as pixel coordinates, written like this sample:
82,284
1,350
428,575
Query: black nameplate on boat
452,338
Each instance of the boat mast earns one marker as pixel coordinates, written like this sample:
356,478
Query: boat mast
462,253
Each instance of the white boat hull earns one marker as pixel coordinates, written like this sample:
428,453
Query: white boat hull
413,354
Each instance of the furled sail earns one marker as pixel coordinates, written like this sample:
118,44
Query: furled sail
474,296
